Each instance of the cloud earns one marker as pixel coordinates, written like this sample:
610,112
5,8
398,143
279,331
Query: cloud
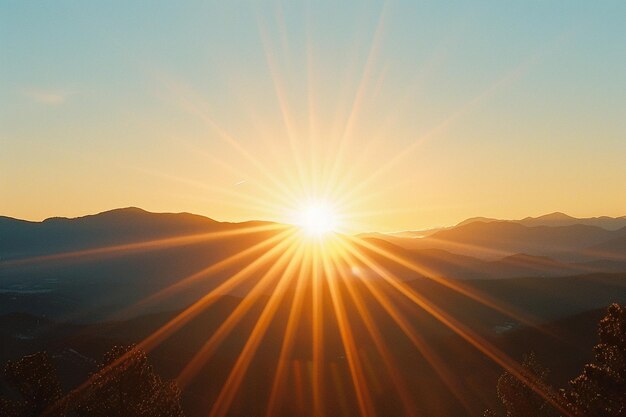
49,97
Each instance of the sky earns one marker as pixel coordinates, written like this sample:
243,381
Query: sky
404,114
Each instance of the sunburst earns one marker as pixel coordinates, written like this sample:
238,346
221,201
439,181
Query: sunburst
317,219
314,258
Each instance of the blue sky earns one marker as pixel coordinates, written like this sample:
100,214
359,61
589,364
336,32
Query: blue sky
532,97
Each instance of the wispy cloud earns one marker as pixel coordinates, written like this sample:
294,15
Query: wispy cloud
49,97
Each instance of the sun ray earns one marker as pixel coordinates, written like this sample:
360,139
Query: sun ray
354,363
477,342
184,282
377,338
262,285
431,356
381,135
231,386
317,322
439,128
346,134
186,102
208,271
313,131
293,321
448,283
284,109
165,331
142,246
266,206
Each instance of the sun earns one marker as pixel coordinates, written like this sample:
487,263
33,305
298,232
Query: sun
317,219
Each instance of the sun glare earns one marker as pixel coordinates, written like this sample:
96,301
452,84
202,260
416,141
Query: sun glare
317,219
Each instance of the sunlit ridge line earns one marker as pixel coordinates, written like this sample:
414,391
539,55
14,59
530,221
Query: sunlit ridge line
209,347
358,378
232,384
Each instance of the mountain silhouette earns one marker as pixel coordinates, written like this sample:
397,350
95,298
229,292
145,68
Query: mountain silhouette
558,219
498,239
20,238
60,286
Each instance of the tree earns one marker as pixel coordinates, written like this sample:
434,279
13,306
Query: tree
129,389
125,385
600,390
517,398
34,378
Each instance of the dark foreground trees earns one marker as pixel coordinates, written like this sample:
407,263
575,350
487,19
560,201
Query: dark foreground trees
599,391
128,388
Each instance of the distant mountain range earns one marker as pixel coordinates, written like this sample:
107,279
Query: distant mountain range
556,235
34,279
560,219
90,266
552,219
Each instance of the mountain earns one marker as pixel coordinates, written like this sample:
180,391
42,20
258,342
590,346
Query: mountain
461,267
561,219
36,277
477,219
598,243
502,237
613,249
416,233
498,239
558,219
89,267
20,238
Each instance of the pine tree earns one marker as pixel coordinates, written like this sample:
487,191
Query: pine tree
517,398
600,390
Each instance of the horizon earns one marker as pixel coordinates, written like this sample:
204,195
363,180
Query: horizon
433,227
